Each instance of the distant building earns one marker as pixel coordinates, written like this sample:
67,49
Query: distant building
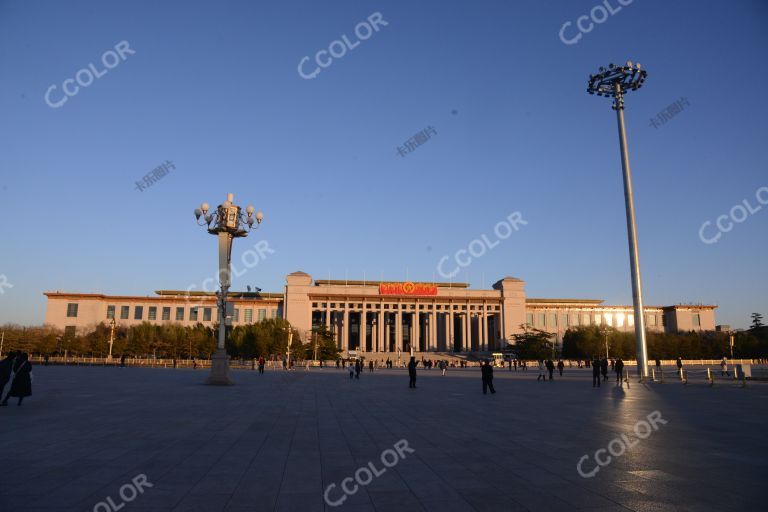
385,316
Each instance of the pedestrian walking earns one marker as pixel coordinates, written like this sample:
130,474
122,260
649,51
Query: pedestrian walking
542,372
550,368
370,366
619,372
443,365
261,365
596,372
723,367
514,361
412,373
680,367
358,369
21,385
486,372
351,371
604,368
6,367
560,367
194,363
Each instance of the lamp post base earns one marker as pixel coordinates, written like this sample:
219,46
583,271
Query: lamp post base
219,370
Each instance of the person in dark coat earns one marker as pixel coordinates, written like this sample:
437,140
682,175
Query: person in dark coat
604,368
596,372
6,365
370,365
560,367
487,374
550,368
620,372
358,369
412,373
21,386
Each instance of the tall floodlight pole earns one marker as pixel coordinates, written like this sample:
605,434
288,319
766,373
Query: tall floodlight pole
227,223
614,82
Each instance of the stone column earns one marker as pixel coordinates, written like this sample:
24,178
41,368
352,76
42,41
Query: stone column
382,339
433,331
450,343
484,329
363,328
399,329
468,330
416,319
345,329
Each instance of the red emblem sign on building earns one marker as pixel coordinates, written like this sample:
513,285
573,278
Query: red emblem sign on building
407,288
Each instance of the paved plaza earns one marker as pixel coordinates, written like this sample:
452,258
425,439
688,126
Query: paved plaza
91,436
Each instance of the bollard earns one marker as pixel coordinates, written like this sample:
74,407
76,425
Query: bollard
710,377
684,376
653,375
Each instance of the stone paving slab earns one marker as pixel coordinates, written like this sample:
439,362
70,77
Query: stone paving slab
276,442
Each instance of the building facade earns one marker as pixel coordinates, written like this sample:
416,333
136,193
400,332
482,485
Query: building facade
380,317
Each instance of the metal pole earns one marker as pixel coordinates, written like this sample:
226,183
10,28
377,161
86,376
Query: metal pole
2,342
634,254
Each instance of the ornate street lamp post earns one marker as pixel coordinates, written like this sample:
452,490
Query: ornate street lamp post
227,223
614,82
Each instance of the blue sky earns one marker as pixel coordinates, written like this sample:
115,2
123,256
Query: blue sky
214,87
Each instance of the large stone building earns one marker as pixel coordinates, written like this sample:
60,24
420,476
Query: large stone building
372,316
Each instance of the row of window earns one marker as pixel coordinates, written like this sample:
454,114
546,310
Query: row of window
576,319
194,313
429,307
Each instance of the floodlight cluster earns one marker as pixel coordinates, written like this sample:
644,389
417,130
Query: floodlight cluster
629,77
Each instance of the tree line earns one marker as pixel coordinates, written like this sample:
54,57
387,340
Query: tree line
267,338
586,342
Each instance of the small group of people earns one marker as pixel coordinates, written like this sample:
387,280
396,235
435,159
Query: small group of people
548,367
17,369
355,369
600,370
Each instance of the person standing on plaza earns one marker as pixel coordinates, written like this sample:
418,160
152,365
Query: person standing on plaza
21,385
550,368
723,367
560,367
619,372
443,365
261,365
412,373
351,371
358,369
604,368
514,362
370,365
542,371
680,367
6,367
486,372
596,372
